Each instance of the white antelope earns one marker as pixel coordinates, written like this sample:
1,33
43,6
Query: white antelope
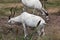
36,4
30,20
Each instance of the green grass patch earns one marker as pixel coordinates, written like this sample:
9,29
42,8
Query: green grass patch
9,1
54,4
6,11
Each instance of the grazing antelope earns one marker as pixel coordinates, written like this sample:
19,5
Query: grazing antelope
36,4
29,20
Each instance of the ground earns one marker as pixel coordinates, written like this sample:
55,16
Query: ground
52,28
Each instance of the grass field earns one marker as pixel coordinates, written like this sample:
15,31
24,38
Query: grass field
52,28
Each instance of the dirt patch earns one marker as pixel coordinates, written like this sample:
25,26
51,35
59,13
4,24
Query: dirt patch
53,28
